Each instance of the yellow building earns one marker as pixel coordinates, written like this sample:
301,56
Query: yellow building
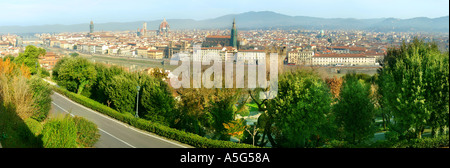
142,51
300,57
155,54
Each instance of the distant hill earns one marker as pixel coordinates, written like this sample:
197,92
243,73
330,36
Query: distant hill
257,20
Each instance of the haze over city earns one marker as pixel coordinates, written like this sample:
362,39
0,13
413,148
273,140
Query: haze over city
26,12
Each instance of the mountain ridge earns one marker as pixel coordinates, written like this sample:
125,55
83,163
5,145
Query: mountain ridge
255,20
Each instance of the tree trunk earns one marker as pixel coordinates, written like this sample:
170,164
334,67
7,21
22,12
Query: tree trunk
269,133
434,132
262,140
419,136
384,122
81,87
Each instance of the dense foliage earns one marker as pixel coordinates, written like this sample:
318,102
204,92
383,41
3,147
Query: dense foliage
59,132
355,111
156,102
162,130
414,84
41,98
87,132
122,92
76,74
410,93
301,110
30,58
25,103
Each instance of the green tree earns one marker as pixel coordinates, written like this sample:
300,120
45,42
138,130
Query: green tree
30,58
265,121
76,74
191,114
58,65
300,110
222,110
355,111
414,87
122,92
104,76
156,100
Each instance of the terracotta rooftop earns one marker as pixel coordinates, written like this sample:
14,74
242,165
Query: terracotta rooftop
216,36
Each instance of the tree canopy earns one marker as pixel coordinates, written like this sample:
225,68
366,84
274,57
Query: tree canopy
300,110
30,57
414,85
355,111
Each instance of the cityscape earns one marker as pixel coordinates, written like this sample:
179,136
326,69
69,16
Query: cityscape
303,47
289,81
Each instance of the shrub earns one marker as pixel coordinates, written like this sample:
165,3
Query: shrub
41,98
337,144
440,141
161,130
34,126
87,132
59,132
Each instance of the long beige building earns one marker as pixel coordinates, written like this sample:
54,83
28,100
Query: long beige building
343,59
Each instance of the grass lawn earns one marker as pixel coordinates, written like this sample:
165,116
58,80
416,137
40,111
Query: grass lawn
252,107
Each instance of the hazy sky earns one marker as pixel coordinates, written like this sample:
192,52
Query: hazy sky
40,12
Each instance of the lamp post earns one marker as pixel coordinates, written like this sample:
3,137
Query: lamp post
137,101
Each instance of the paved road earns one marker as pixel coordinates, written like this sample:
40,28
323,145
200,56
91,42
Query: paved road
114,134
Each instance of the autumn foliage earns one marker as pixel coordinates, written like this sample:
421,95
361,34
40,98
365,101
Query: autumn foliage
14,88
334,84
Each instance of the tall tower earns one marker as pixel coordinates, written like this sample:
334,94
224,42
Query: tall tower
91,27
144,27
233,40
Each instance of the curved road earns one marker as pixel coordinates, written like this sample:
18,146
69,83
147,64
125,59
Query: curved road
114,134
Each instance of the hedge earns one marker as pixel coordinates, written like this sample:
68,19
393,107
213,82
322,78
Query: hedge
161,130
437,142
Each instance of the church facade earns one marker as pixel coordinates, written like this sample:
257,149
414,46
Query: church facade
223,41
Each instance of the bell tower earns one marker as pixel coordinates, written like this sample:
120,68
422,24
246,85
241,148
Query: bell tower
233,38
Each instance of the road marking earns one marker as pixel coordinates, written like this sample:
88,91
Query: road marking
98,128
116,138
63,109
118,122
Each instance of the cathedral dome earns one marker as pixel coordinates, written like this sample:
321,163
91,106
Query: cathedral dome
164,24
164,28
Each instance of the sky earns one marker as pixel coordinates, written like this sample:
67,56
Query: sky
42,12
